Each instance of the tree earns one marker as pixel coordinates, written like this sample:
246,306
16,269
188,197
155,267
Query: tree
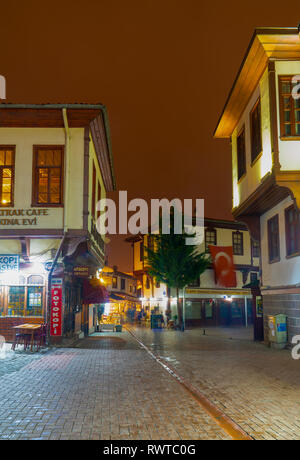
173,262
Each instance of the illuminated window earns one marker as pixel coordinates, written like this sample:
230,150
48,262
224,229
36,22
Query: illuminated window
241,154
48,175
16,301
237,243
292,231
35,279
7,167
210,238
147,282
115,282
255,122
289,108
34,301
273,239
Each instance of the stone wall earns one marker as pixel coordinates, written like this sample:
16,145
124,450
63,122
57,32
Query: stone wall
287,304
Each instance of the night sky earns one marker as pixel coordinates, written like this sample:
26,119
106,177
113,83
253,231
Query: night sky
163,68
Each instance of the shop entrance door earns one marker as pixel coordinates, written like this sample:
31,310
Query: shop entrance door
209,312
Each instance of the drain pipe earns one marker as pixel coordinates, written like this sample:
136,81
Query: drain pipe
67,169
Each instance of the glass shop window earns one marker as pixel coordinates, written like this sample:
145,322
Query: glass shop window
1,301
34,301
16,301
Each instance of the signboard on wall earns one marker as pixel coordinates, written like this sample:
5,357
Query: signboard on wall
56,308
81,271
259,307
9,263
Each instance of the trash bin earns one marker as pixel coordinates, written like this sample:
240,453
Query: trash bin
118,328
277,331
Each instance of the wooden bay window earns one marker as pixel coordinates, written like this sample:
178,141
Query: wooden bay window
241,154
273,239
48,162
238,243
7,170
210,238
255,123
289,108
292,231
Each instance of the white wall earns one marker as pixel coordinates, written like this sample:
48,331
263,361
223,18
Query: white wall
263,165
286,271
24,139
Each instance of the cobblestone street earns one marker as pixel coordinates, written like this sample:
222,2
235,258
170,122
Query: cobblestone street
258,387
107,387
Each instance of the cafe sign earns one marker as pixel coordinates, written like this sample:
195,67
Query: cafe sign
9,263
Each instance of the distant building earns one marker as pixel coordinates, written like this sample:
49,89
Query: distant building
206,303
122,289
55,163
262,119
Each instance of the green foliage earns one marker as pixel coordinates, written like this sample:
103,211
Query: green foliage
173,262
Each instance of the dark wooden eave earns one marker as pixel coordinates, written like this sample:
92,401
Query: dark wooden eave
93,116
273,43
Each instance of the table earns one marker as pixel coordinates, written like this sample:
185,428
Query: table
29,327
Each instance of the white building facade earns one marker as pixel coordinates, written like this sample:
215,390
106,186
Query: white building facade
206,303
262,118
55,163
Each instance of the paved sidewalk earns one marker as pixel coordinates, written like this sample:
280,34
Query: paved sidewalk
107,387
258,387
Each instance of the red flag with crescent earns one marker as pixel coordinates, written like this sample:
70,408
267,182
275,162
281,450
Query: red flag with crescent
223,264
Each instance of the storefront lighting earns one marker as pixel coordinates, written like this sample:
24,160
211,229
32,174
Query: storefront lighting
228,298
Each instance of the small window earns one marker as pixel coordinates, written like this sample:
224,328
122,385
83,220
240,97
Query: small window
48,175
147,282
241,154
195,283
273,239
122,284
115,282
210,238
141,251
150,242
255,248
255,122
292,231
7,173
99,198
289,108
94,192
253,277
35,279
237,243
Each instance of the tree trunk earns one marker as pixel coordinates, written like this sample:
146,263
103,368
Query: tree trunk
179,309
168,309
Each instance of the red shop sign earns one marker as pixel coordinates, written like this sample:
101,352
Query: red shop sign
56,308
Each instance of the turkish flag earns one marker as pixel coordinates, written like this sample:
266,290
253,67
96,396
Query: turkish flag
223,264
